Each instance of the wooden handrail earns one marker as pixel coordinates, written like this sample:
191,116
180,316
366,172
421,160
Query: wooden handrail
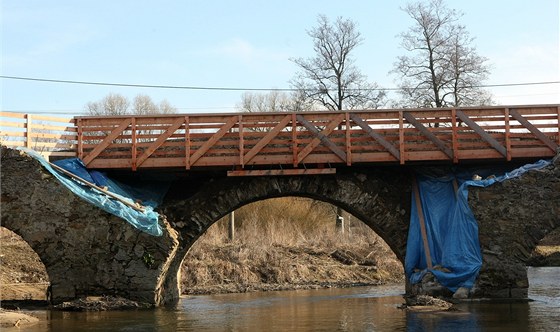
306,140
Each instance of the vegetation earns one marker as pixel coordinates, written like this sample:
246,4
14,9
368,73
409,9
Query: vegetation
441,68
287,243
330,78
116,104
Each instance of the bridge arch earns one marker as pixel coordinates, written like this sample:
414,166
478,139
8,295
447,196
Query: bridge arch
380,197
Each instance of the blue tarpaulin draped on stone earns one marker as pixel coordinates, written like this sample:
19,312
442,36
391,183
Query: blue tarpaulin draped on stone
150,194
452,230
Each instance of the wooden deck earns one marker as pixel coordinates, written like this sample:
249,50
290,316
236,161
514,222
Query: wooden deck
293,143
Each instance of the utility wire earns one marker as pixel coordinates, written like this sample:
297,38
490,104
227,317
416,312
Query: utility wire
233,88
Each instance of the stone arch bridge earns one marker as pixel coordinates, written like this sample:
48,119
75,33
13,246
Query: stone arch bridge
88,252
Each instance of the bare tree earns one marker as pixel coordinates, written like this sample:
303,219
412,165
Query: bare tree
112,104
274,101
330,77
166,108
116,104
442,69
143,104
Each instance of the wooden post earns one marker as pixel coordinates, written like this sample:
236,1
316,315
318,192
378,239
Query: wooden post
422,223
454,139
507,134
294,141
28,131
348,141
80,139
401,138
231,226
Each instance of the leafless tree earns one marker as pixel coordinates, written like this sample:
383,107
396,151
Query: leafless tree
274,101
330,77
112,104
442,68
117,104
143,104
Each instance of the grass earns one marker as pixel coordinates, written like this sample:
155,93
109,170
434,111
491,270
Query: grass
287,243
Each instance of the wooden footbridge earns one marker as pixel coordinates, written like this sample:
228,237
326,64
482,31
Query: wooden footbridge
291,143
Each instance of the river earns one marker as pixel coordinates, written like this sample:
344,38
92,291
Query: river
350,309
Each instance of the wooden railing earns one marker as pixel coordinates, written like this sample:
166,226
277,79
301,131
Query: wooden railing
290,143
50,136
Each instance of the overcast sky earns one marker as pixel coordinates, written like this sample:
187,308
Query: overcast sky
242,44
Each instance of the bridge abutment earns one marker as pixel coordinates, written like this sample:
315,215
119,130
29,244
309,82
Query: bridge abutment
86,251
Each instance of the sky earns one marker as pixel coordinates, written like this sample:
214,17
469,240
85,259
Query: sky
242,44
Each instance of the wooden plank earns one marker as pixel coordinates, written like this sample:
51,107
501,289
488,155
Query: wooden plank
401,139
187,143
80,139
161,139
133,148
348,142
428,134
267,138
422,222
295,141
321,137
507,134
105,143
208,144
551,144
241,142
454,142
13,115
28,129
280,172
103,191
376,136
485,136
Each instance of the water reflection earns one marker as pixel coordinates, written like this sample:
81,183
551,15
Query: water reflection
354,309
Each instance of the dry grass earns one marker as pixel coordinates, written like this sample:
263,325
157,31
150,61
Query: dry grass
287,243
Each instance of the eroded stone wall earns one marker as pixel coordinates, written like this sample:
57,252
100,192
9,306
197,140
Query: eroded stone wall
86,251
513,216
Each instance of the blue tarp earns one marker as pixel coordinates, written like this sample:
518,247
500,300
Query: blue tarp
452,230
150,195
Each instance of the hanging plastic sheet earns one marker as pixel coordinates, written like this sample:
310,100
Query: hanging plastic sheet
451,228
150,195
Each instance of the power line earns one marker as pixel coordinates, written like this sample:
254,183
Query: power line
182,87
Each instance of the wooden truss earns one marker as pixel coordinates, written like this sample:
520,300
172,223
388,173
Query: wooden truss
316,142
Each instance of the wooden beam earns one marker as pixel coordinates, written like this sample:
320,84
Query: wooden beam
267,138
282,172
321,137
215,138
508,134
534,130
380,139
454,141
401,138
485,136
187,143
348,140
160,140
426,132
422,222
295,140
241,142
134,148
105,143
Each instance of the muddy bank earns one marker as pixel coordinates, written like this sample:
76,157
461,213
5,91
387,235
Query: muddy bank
14,318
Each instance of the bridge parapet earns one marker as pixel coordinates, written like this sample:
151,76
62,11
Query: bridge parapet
302,143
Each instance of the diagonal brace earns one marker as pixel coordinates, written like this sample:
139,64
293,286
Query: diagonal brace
426,132
321,137
376,136
485,136
534,130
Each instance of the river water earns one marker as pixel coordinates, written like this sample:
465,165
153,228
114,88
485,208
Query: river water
351,309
